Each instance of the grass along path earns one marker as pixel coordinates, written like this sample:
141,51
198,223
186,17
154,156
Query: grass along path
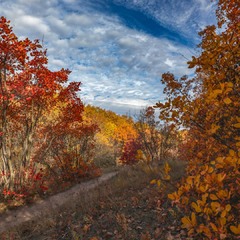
42,208
126,207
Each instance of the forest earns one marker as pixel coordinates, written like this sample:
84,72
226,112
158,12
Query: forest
51,141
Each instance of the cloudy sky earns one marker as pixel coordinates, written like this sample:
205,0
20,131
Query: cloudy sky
118,49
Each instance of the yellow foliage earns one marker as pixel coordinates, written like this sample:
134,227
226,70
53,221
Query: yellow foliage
139,155
196,207
222,221
154,181
167,168
216,207
213,197
174,196
227,100
237,125
214,227
211,145
223,194
235,229
189,222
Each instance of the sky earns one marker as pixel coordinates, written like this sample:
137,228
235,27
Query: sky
117,49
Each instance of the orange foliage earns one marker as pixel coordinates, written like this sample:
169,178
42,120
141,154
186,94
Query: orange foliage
40,116
113,127
114,130
208,107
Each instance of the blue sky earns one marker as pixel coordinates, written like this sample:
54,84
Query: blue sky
118,49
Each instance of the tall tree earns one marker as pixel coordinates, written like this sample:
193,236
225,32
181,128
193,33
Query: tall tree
158,140
208,107
37,107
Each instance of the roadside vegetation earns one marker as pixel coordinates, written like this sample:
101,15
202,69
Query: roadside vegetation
178,174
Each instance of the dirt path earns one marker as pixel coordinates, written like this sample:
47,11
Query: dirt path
42,208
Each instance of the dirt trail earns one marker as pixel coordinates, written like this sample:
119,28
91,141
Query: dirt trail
42,208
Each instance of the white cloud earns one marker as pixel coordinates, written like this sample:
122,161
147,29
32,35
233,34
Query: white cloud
117,65
83,20
58,63
170,63
33,24
129,42
59,26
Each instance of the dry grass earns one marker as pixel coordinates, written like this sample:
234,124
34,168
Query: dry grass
125,207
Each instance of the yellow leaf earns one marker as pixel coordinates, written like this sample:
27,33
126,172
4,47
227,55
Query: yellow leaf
208,211
189,222
217,91
235,230
205,168
223,214
184,200
213,197
167,177
167,168
214,227
196,207
219,159
194,220
213,129
210,170
220,177
222,221
222,194
228,207
189,180
222,85
186,223
232,153
174,196
237,125
203,188
215,206
204,197
154,181
195,111
197,180
158,183
227,100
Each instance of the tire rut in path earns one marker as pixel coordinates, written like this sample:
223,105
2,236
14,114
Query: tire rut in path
42,208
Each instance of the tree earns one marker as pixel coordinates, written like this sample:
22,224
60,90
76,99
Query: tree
38,107
131,152
208,107
158,140
114,132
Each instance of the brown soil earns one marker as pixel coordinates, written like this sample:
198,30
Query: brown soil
126,207
42,208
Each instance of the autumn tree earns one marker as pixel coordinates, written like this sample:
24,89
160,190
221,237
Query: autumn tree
113,132
158,140
131,152
39,109
207,105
